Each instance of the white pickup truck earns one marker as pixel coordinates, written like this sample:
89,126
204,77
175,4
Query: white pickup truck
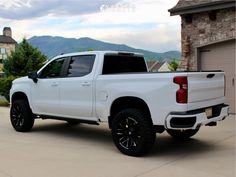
116,87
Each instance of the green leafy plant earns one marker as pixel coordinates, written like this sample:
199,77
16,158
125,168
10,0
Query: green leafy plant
5,86
4,103
173,66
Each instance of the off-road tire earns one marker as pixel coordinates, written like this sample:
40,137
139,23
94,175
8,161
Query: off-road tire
21,116
133,132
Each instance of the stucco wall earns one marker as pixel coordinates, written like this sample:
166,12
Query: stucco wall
203,31
8,47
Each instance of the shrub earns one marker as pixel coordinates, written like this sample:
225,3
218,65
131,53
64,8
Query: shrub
4,102
5,86
173,66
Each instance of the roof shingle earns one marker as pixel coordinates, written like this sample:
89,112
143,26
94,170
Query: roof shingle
194,6
7,39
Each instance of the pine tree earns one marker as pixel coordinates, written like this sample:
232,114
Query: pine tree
26,58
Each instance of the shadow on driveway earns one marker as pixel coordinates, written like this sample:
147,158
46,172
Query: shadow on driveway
83,132
165,146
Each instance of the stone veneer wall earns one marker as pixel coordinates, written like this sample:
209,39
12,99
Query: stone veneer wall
203,31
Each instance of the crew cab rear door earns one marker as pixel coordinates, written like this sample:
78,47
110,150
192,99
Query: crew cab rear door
76,89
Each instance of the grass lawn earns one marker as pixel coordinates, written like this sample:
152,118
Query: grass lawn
4,102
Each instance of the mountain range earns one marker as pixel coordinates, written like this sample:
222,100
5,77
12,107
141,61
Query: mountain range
52,46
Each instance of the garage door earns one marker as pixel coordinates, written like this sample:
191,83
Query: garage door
221,56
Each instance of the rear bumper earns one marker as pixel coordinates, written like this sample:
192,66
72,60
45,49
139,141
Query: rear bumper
195,119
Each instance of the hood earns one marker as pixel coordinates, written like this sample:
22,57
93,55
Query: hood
21,79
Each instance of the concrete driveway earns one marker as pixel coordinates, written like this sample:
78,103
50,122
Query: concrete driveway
55,149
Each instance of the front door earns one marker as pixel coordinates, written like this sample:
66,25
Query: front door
45,93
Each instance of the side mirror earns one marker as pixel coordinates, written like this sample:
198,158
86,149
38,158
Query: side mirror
34,76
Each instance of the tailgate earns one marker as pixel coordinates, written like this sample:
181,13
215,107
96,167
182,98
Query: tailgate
206,87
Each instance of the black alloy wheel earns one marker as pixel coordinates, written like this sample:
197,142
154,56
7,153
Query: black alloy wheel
21,116
132,132
128,133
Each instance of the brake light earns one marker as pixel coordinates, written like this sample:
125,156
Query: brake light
182,92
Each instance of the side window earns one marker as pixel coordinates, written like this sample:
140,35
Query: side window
53,69
80,65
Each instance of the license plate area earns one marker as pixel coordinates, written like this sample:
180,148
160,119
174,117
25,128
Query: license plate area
208,112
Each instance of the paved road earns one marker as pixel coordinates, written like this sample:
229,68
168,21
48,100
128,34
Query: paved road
54,149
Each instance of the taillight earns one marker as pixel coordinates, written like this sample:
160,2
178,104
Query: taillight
182,92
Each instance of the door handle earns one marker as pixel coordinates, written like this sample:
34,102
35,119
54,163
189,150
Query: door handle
233,81
54,84
86,84
210,75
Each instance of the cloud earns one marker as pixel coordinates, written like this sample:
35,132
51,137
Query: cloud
142,23
132,12
159,39
25,9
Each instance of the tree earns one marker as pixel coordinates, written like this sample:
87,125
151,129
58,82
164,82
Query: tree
26,58
173,66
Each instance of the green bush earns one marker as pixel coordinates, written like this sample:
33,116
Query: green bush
5,86
173,66
4,102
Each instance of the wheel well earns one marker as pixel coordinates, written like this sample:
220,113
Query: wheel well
19,96
128,102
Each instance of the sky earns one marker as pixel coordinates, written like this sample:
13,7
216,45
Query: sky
144,24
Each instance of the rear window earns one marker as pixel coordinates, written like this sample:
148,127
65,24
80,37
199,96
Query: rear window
123,64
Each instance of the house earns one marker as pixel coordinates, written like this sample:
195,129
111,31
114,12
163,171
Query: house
208,38
157,66
7,44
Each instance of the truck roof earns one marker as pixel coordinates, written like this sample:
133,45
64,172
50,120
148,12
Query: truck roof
97,52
